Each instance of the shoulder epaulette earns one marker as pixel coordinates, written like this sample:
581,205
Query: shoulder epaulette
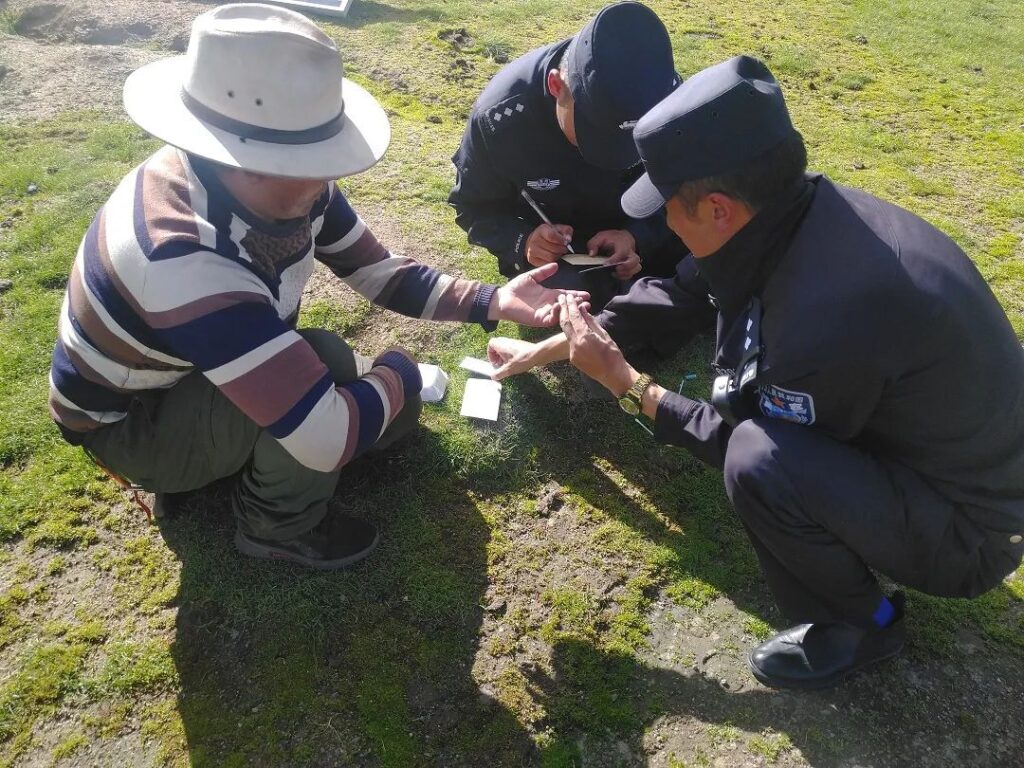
493,119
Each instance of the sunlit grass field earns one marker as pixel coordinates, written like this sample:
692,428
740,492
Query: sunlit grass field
509,615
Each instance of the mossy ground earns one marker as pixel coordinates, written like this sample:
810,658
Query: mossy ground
556,590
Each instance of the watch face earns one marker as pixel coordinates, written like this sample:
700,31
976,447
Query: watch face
629,406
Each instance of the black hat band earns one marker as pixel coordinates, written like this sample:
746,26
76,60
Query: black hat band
245,130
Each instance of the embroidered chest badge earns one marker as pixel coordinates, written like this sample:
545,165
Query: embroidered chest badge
544,185
779,403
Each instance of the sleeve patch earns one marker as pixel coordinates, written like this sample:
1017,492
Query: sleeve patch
779,403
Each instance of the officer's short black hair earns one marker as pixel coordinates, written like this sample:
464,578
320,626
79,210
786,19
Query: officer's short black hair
758,182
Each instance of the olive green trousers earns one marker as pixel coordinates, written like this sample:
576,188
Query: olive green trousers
188,436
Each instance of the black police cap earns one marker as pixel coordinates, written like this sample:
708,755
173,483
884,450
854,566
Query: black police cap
620,65
717,121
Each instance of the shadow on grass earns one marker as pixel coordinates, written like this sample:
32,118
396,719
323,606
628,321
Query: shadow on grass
373,667
285,666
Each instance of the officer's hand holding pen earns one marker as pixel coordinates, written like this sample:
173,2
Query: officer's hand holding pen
547,243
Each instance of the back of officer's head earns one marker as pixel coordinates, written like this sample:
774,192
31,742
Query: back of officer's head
724,130
616,69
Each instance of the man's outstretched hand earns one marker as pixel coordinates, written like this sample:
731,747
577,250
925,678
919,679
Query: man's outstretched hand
525,301
510,357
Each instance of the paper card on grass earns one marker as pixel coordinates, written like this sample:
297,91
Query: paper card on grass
477,366
481,400
582,260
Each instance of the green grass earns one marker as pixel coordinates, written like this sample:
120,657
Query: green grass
216,661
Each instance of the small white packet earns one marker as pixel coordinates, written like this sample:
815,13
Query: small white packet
481,400
477,366
435,383
582,260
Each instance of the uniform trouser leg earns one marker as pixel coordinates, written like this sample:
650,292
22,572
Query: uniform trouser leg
823,514
191,435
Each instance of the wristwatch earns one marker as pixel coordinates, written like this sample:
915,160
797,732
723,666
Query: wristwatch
631,401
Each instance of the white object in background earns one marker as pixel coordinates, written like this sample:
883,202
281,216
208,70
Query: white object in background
477,366
481,400
584,261
322,7
435,383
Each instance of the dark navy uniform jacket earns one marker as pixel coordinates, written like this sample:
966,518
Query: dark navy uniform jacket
876,330
513,142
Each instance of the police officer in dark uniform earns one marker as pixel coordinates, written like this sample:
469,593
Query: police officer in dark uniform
557,124
869,412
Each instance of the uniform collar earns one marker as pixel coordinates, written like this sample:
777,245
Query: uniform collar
739,269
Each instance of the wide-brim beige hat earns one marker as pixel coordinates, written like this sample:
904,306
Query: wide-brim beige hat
261,88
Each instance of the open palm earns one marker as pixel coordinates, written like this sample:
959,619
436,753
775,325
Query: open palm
525,301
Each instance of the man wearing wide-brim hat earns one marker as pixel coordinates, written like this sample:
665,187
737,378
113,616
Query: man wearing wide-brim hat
178,362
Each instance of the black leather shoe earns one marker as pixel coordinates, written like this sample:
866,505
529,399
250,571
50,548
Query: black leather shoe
337,542
821,655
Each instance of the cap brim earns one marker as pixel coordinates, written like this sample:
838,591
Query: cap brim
612,150
151,98
643,199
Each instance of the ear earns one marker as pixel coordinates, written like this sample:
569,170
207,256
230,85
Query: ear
726,212
555,83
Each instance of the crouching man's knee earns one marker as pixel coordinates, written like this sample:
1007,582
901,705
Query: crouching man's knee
751,458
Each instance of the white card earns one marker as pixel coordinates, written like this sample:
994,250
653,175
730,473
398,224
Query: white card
582,260
477,366
481,400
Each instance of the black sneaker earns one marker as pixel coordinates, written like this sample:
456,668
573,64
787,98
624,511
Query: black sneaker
822,655
337,542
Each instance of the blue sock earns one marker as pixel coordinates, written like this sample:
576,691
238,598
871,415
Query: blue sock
884,613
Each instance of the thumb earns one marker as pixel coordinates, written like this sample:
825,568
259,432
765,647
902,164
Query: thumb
594,244
540,274
503,372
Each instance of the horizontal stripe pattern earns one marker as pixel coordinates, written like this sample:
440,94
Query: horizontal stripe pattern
174,276
346,245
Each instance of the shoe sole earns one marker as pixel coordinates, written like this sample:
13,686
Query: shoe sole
247,546
812,685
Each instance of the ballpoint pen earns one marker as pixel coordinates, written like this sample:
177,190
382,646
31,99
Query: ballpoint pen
543,216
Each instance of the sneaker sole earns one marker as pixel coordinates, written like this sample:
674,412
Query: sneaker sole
812,685
247,546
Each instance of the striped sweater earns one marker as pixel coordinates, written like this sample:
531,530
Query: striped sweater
174,276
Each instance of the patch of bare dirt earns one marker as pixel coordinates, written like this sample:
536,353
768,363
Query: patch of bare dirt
68,56
382,328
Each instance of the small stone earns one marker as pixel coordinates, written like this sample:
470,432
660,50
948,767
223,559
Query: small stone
861,39
495,606
859,166
52,170
434,119
811,86
32,189
6,285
